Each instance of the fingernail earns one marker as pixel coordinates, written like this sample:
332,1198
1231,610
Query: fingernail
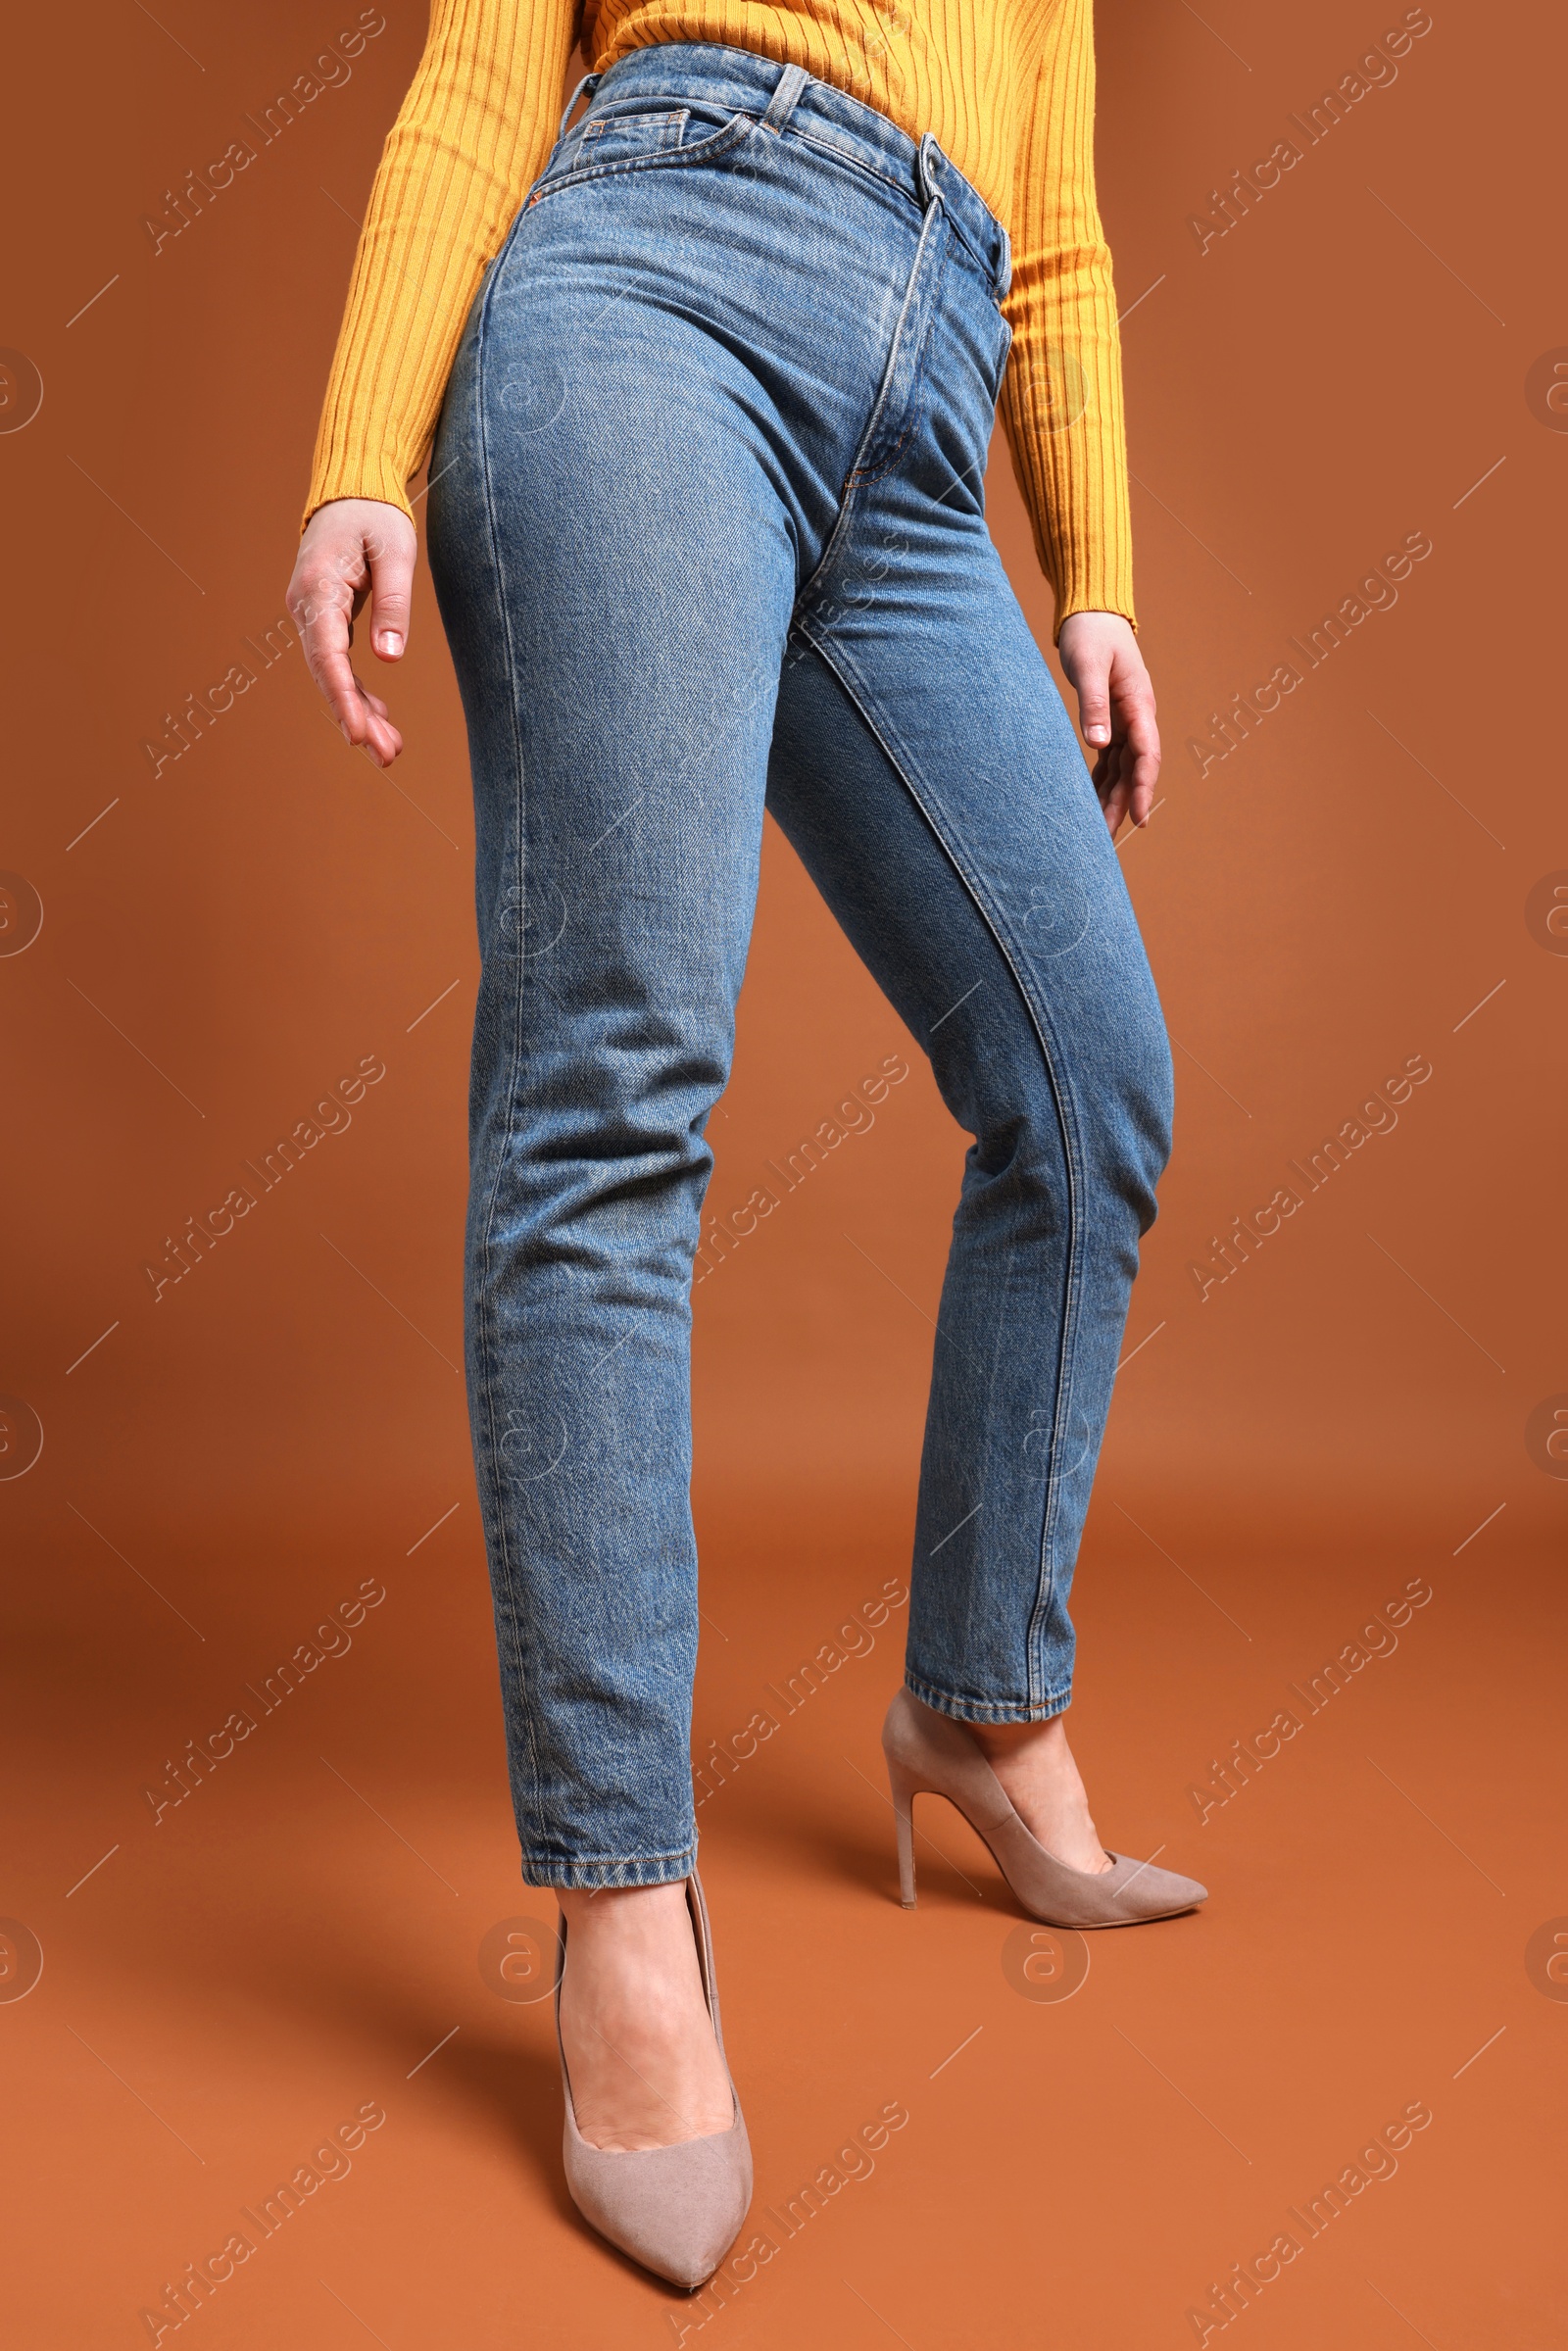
390,643
343,730
1100,734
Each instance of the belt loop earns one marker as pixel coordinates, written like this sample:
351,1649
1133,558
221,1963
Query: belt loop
589,83
791,82
1004,266
930,161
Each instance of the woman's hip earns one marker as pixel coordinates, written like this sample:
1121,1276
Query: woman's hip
694,305
677,104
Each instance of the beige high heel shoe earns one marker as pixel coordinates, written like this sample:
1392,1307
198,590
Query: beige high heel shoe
677,2210
929,1753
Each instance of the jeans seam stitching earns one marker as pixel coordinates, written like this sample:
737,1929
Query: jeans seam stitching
934,1694
846,669
853,480
722,143
485,1335
917,381
685,1856
852,163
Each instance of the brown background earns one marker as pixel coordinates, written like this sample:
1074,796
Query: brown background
1351,887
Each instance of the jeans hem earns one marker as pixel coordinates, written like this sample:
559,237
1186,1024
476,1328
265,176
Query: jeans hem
987,1710
600,1872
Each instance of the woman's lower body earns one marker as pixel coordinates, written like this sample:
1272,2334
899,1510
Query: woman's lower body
708,534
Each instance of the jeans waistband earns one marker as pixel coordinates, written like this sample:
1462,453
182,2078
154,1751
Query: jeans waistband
783,96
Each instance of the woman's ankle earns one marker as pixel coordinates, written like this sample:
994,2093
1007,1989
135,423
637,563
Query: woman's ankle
1040,1775
616,1913
1010,1740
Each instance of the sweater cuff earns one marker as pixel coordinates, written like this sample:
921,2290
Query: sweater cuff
1086,596
367,476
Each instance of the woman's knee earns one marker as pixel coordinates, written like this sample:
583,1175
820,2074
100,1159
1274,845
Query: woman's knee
1092,1107
1129,1094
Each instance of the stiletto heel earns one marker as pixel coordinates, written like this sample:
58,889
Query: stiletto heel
903,1794
930,1753
677,2208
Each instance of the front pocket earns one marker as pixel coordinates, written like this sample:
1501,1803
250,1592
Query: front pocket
647,153
618,138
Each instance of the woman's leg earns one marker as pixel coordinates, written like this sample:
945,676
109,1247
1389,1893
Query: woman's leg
642,454
927,774
615,574
616,582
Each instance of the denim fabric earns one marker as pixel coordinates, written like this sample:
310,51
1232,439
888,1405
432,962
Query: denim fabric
708,534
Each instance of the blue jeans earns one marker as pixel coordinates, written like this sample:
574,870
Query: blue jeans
708,534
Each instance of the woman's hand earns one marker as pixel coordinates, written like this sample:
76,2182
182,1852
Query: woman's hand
354,547
1116,712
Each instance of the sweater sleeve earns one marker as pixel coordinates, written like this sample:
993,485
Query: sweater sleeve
472,135
1061,400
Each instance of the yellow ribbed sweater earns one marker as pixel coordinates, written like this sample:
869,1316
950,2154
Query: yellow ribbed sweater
1007,87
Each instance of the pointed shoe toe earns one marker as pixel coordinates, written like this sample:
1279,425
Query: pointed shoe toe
676,2209
1138,1890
